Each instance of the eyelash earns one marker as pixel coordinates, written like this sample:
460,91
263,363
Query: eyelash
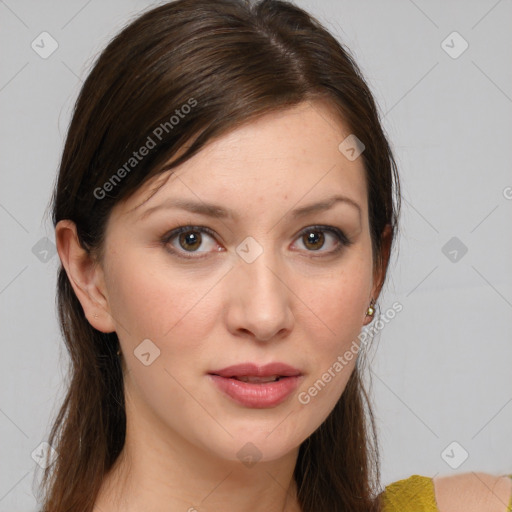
342,239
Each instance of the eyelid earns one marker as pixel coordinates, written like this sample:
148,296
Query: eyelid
331,229
184,228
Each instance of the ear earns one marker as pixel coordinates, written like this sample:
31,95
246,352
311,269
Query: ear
380,272
85,275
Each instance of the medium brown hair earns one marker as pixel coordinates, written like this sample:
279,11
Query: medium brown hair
230,61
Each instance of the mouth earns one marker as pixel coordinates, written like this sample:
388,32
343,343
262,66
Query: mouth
250,372
257,386
257,380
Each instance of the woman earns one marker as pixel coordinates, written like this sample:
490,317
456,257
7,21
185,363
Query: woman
225,211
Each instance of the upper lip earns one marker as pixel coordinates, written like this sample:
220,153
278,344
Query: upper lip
253,370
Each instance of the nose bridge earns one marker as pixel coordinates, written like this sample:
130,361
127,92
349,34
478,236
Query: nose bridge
257,268
259,276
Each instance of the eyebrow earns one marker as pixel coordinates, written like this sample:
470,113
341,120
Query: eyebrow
220,212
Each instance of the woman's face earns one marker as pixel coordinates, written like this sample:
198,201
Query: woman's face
264,276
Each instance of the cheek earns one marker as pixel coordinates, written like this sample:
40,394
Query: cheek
148,300
339,304
339,300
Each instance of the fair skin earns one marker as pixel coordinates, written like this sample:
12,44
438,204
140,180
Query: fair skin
293,304
473,492
299,302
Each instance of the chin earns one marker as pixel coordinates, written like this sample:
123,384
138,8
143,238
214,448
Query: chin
256,441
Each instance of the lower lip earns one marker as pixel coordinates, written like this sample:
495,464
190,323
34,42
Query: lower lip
258,396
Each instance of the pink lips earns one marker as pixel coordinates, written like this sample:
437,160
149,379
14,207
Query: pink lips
260,392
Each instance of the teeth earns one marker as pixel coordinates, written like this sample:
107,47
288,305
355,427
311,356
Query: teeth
271,378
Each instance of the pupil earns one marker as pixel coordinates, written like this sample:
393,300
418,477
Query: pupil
313,238
190,239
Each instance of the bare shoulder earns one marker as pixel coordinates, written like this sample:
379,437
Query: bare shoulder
473,492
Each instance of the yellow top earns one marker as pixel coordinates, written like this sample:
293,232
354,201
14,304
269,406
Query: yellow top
413,494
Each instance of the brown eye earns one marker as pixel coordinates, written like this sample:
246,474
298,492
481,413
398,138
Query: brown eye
325,240
190,240
314,240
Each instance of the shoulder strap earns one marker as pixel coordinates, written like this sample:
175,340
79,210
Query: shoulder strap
509,508
413,494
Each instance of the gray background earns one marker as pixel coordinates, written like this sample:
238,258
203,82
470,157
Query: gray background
442,370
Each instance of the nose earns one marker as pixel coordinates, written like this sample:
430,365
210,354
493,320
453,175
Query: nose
258,299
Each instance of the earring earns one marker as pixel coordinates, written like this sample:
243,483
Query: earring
370,311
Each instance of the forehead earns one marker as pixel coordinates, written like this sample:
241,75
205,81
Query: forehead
291,155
